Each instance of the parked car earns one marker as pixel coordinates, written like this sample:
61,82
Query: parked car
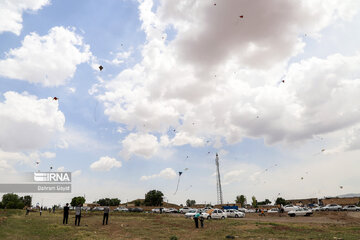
332,207
300,212
185,209
273,210
242,210
316,209
137,209
192,213
155,210
121,209
98,209
172,210
290,207
218,214
234,213
250,210
351,208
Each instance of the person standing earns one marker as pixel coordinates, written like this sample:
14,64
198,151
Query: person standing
77,215
66,214
196,219
202,221
54,209
41,210
106,215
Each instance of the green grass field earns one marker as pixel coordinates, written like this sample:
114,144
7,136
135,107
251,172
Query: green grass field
15,225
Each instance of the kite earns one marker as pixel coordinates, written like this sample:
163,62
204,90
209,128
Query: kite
241,16
50,168
214,4
302,178
55,98
101,68
283,81
341,187
322,150
177,187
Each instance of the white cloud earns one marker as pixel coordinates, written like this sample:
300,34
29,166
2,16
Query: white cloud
71,89
120,57
167,173
144,145
201,86
48,154
11,13
76,173
105,164
61,169
28,123
50,60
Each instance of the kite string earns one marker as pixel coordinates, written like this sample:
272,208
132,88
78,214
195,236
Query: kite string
177,187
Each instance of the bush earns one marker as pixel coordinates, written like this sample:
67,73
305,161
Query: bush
173,238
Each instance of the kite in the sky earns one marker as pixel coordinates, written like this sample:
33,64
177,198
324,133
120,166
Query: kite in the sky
214,4
177,186
302,178
241,16
101,68
322,150
55,98
341,187
283,81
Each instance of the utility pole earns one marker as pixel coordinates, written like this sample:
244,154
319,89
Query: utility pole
218,181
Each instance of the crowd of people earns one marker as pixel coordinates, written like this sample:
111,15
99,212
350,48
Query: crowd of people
77,214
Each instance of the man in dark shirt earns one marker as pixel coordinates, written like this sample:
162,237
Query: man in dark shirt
106,215
66,214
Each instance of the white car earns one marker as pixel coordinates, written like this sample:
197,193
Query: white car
155,210
273,210
121,209
192,213
300,212
332,207
234,213
98,209
288,208
218,214
242,210
185,209
250,210
317,209
351,208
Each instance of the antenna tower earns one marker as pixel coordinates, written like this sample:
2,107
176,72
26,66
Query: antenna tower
218,182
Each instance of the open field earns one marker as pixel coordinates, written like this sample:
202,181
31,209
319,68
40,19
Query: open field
325,225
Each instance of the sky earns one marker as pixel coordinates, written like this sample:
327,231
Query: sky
272,86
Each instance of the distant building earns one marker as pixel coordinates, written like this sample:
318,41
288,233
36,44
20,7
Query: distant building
340,200
303,202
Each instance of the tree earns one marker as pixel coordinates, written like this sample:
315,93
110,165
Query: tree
254,202
154,198
266,202
75,201
26,200
280,201
115,202
190,203
137,203
241,200
11,200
